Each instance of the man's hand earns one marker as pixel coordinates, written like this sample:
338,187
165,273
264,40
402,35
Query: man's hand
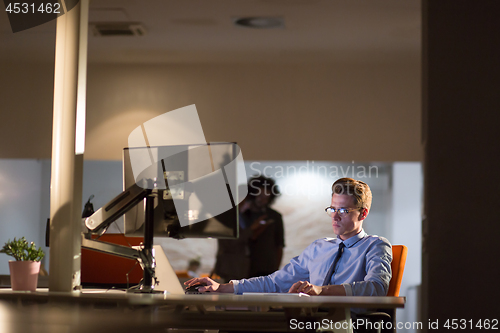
306,288
310,289
210,285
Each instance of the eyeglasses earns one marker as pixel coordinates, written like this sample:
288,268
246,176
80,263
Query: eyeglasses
342,211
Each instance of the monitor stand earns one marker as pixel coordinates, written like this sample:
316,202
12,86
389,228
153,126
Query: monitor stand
149,281
100,221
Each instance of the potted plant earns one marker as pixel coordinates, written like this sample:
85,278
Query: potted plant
24,270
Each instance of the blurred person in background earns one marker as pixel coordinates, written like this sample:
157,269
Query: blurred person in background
259,248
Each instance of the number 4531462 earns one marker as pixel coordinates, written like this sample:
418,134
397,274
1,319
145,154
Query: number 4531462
25,8
486,324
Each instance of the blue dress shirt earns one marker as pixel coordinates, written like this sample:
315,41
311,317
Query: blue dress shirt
364,268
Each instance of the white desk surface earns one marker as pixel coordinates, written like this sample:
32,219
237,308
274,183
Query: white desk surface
94,311
210,299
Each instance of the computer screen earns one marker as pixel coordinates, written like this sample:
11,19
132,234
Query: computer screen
195,188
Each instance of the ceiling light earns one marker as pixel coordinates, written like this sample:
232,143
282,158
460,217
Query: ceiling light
260,22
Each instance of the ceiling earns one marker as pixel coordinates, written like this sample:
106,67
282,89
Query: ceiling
202,31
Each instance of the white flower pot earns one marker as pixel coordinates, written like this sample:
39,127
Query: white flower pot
24,275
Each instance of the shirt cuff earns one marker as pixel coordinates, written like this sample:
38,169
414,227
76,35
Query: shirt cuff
348,289
235,285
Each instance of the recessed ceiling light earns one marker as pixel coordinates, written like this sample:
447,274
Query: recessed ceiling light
260,22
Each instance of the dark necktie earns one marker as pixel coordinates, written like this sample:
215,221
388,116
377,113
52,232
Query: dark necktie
329,275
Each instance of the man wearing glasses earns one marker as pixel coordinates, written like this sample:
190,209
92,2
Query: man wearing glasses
353,264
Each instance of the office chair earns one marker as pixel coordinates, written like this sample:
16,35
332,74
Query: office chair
399,253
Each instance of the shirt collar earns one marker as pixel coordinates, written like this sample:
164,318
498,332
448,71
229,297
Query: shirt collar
354,239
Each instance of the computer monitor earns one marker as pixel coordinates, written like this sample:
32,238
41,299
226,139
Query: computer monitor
195,185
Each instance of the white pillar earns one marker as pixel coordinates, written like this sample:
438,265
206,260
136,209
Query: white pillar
81,108
67,167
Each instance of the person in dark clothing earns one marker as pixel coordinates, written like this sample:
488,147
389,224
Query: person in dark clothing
266,224
259,249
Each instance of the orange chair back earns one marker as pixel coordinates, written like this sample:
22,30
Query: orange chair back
185,275
182,274
106,269
399,253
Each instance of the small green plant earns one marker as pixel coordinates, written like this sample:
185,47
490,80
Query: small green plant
21,250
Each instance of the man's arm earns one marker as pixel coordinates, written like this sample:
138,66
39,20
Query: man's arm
311,289
378,271
210,285
279,281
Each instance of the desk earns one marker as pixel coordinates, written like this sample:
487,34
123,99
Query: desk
114,311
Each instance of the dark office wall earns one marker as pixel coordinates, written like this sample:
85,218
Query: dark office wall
273,111
26,95
461,100
302,111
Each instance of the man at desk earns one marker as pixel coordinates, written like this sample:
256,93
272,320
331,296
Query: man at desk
353,264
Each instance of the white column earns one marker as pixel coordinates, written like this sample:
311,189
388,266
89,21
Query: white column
81,107
66,173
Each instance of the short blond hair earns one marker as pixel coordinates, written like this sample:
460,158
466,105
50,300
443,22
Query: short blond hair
359,190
